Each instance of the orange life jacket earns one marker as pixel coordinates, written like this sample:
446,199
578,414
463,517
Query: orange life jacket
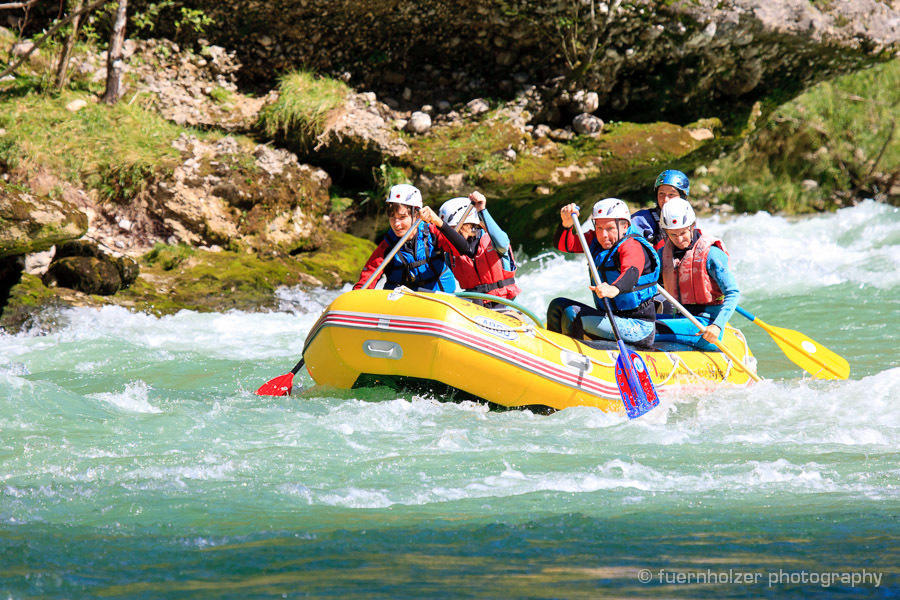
485,274
692,283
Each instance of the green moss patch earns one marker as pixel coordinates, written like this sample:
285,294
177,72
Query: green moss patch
27,300
177,277
340,259
465,147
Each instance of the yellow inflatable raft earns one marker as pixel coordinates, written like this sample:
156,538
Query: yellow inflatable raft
505,360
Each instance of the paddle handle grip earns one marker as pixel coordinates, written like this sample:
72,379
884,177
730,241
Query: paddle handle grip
374,276
298,366
744,313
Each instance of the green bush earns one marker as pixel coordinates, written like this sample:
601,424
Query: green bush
841,134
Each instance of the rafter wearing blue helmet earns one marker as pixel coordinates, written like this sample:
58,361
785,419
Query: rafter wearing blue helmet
669,184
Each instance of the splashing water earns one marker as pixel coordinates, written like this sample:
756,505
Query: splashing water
138,462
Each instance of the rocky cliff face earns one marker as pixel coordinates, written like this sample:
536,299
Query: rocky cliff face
646,59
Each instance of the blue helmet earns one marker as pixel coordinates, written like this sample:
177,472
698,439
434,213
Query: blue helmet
676,179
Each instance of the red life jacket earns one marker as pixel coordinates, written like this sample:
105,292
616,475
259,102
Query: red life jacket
485,274
693,284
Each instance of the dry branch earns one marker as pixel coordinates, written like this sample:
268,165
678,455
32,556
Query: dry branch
11,68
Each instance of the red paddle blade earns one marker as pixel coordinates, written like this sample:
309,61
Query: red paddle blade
635,386
280,386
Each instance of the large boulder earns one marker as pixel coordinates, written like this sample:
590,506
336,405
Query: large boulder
226,193
352,138
31,223
82,265
84,273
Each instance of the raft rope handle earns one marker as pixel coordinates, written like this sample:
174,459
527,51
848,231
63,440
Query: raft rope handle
526,328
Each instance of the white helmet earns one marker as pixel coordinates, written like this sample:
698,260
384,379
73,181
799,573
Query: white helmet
452,211
676,214
405,193
611,208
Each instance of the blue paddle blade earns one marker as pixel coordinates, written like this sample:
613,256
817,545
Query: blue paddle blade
635,386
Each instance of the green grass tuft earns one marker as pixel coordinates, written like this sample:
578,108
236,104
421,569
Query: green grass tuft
114,149
303,105
221,96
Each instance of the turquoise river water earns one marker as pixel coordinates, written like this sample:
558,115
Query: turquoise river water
138,463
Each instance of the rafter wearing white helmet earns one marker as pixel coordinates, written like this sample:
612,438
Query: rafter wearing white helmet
453,210
677,214
611,208
406,194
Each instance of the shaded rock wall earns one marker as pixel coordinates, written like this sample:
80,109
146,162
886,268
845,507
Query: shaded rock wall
654,59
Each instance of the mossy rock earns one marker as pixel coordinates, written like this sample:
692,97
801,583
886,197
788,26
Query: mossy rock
339,260
526,194
86,274
466,146
178,277
27,300
30,223
181,277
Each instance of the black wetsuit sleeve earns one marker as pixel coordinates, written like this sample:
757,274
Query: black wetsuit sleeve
627,280
458,241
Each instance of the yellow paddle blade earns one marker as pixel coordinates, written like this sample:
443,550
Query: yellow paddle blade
808,354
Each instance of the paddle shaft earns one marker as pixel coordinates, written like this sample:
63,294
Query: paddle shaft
374,276
702,329
596,277
298,366
745,313
469,209
630,376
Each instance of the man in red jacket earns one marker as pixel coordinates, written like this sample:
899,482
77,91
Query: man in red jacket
628,267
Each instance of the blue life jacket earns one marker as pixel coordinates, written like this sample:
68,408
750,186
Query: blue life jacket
419,264
646,223
609,269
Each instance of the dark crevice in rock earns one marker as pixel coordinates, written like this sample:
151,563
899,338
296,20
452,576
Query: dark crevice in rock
11,268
